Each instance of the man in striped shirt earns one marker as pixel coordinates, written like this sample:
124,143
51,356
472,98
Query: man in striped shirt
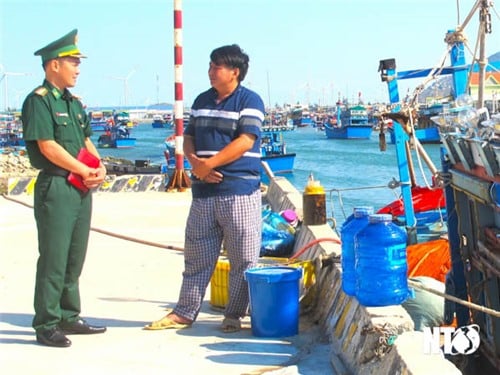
222,144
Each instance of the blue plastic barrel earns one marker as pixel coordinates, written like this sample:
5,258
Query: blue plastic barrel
359,221
274,300
380,262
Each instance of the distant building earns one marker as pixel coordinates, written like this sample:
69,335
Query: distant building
491,84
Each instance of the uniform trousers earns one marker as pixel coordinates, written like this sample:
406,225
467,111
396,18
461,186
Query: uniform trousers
63,217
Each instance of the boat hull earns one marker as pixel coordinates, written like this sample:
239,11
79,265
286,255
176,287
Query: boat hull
426,135
99,126
280,163
116,143
125,142
348,132
161,124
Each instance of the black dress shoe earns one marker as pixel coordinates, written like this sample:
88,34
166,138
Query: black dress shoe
53,337
80,327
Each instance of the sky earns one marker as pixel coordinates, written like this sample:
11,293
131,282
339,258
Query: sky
301,51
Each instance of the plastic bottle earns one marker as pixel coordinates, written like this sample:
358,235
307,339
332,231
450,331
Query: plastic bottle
380,262
277,221
291,217
314,203
359,221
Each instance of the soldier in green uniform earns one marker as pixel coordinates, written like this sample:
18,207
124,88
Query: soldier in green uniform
56,127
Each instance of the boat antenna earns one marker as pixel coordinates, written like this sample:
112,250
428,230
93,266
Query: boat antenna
268,91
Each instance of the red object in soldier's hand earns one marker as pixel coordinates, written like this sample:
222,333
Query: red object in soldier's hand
88,159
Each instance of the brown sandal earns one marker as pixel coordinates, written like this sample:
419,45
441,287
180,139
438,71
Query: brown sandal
230,325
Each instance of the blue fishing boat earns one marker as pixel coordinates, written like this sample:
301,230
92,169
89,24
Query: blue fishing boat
158,122
471,183
426,130
169,154
100,121
116,137
305,120
11,130
352,123
301,117
274,151
123,119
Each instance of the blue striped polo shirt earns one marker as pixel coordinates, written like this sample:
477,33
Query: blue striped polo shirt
214,126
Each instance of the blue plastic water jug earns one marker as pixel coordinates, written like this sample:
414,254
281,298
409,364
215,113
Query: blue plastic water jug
358,221
380,262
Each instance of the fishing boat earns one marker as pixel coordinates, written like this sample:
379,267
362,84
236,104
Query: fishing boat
169,154
158,122
116,137
100,121
274,151
352,123
162,121
426,130
470,136
296,115
11,131
305,120
123,118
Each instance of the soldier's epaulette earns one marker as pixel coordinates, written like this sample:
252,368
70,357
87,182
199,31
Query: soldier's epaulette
42,91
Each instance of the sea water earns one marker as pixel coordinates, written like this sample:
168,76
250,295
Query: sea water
352,172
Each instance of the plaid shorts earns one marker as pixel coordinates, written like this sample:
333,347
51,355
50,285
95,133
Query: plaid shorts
233,221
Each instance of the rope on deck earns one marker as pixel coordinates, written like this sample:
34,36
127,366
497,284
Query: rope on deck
111,234
471,305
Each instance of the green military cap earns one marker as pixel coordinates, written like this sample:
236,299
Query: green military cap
65,46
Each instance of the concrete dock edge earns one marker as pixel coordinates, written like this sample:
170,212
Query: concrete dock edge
363,340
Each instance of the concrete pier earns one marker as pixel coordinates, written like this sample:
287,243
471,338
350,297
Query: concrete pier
128,283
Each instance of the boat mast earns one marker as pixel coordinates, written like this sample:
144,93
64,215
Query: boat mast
484,28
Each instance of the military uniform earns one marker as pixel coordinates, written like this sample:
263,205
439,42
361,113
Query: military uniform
62,212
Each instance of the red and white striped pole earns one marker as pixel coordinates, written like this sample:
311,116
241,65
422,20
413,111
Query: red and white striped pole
179,104
179,180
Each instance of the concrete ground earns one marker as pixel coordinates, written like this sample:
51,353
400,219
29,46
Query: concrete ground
126,284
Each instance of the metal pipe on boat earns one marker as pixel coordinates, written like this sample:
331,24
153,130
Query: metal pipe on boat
469,16
421,151
410,164
484,18
267,170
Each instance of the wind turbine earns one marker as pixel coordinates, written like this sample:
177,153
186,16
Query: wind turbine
125,83
5,84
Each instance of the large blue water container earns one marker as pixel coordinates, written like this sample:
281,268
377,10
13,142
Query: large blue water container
380,262
359,219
